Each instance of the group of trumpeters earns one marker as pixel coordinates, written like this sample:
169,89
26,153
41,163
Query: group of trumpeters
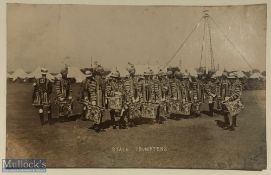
133,97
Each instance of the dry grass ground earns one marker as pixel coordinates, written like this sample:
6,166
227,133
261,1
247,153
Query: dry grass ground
190,143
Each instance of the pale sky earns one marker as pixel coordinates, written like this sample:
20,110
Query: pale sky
43,35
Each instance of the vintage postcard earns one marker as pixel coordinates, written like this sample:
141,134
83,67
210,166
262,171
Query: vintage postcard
135,86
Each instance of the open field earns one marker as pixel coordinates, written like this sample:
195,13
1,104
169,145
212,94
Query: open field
190,143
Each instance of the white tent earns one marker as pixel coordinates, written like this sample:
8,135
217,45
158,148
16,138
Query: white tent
140,69
8,75
193,72
240,74
75,72
219,73
256,75
19,73
123,71
37,74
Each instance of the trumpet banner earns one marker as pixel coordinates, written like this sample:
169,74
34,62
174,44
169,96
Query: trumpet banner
64,107
177,107
135,110
163,109
150,110
94,114
115,103
195,108
41,99
234,107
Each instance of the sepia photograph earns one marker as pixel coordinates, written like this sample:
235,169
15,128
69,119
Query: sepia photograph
136,86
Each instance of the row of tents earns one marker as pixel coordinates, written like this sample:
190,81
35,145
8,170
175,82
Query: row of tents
78,75
20,74
74,72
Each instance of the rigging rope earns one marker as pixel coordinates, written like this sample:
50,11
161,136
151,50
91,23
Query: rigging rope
239,52
182,44
211,48
203,43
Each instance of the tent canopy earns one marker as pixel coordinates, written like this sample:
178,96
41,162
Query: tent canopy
256,75
140,69
240,74
19,73
75,72
37,74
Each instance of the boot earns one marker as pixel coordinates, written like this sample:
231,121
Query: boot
226,121
83,115
50,118
61,118
122,125
113,121
231,128
41,119
211,109
96,127
130,124
234,121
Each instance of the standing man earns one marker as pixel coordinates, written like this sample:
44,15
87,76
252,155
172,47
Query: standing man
41,96
147,87
114,99
202,83
64,95
91,110
157,96
163,91
132,105
173,85
185,88
232,105
149,107
211,88
223,90
195,96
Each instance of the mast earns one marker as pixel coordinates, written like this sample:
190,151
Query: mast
207,36
180,64
91,62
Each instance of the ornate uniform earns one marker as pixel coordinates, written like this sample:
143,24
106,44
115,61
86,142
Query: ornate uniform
41,97
42,92
91,110
196,96
233,102
223,92
115,99
174,96
174,89
64,97
130,89
148,91
232,105
211,91
165,88
132,101
89,87
149,105
164,103
185,90
156,91
140,89
185,99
